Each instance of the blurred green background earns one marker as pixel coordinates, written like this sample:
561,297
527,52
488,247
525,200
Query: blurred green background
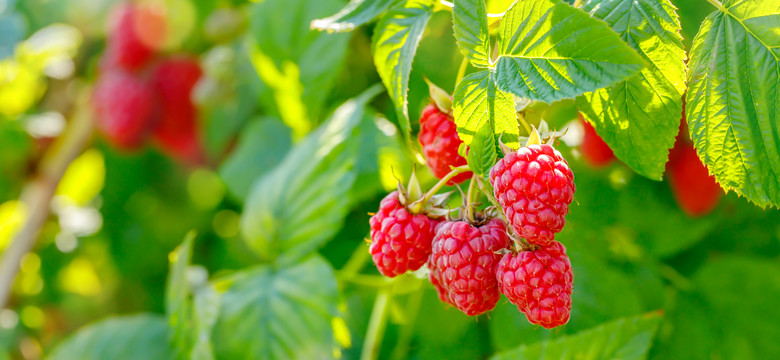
117,216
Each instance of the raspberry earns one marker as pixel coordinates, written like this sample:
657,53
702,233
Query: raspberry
694,189
463,264
177,131
439,139
124,106
400,240
540,284
534,186
594,150
135,32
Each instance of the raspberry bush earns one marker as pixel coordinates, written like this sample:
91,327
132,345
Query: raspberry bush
382,179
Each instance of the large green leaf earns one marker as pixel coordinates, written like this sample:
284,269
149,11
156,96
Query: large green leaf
469,19
640,117
301,203
733,101
261,147
354,14
477,102
551,51
394,44
626,338
270,313
298,64
134,337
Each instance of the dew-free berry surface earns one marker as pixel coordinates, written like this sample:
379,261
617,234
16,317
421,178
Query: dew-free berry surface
540,283
439,139
463,264
534,187
400,240
124,107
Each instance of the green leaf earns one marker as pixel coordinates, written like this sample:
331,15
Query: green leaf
270,313
354,14
733,100
551,51
469,19
142,336
261,147
482,152
639,118
478,102
300,204
394,44
626,338
299,65
178,306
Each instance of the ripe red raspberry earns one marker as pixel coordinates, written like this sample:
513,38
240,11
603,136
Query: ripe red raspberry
177,131
540,284
534,186
124,107
463,264
439,139
400,240
693,187
594,150
136,31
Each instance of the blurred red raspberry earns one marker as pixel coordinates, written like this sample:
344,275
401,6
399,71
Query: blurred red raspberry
594,150
124,107
439,139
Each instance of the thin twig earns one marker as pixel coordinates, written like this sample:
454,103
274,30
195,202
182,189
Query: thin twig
376,325
37,194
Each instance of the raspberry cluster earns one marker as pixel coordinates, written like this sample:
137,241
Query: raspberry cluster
139,95
477,256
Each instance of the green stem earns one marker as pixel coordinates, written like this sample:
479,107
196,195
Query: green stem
470,198
716,3
401,350
526,126
453,173
462,70
376,325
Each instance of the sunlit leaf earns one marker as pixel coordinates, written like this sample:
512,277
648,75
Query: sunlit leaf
477,102
542,52
469,19
639,117
733,100
354,14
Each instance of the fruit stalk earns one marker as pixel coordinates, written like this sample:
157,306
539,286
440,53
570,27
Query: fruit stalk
38,193
453,173
376,325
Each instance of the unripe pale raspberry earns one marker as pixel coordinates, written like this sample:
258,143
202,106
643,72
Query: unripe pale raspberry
124,108
400,240
439,139
539,282
534,186
463,264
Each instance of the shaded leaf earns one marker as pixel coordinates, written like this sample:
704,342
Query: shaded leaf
354,14
626,338
270,313
142,336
